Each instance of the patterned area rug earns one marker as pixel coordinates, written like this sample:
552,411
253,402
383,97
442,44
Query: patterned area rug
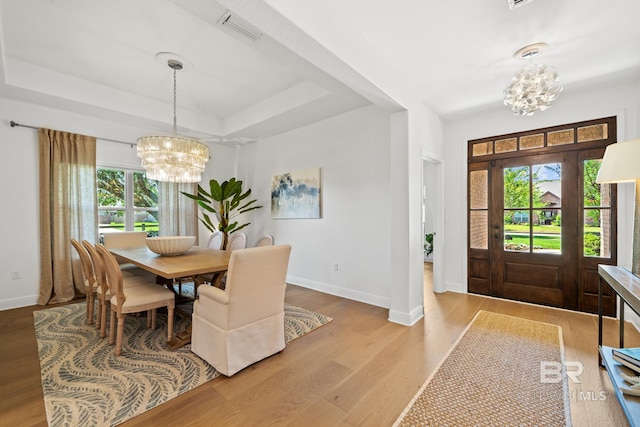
85,384
492,377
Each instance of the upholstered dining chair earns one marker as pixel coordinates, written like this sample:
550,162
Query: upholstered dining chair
102,290
90,284
144,297
244,323
215,240
264,240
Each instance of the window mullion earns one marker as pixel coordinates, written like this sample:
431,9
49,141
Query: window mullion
129,213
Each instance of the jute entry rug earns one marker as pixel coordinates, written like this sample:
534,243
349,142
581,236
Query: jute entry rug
492,377
85,384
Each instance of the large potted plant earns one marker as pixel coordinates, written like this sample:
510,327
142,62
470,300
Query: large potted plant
225,201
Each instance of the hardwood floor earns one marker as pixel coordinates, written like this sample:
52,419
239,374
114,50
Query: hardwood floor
359,369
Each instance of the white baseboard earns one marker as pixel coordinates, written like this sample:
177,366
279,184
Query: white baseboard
376,300
9,303
454,287
406,319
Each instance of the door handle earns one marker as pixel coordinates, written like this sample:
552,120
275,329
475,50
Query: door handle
497,235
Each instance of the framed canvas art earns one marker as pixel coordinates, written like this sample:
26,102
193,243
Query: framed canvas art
296,194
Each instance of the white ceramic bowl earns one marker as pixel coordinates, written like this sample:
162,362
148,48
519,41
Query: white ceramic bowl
170,245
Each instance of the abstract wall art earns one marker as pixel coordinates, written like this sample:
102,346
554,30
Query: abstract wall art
296,194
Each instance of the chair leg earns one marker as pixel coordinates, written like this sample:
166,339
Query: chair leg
103,320
90,304
153,318
120,333
169,323
99,314
112,327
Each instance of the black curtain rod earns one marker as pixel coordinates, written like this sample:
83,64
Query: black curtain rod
14,124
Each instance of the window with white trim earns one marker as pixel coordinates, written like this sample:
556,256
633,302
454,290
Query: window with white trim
127,201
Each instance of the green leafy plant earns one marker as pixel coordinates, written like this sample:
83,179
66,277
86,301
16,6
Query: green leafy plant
225,201
428,243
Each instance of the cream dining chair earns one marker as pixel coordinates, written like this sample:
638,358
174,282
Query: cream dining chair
102,290
144,297
264,240
237,241
127,239
90,284
215,240
244,323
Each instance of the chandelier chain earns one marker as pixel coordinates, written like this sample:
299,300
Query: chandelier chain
175,127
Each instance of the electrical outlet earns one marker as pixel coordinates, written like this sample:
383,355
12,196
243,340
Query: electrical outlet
335,267
15,275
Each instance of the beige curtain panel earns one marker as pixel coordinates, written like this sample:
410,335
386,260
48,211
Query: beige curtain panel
177,214
68,208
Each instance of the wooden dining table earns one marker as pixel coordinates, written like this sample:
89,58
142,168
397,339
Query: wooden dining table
191,263
194,262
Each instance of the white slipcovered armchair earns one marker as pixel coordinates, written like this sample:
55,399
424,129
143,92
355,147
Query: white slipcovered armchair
235,327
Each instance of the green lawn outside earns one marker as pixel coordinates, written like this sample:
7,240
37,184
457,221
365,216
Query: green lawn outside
542,229
544,242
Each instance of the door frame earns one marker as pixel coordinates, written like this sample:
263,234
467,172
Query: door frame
576,137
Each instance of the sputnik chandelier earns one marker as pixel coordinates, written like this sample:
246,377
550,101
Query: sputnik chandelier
172,158
534,87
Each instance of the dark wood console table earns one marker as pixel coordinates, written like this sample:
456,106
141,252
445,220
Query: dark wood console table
627,286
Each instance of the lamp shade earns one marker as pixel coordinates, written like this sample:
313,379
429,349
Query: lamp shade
621,163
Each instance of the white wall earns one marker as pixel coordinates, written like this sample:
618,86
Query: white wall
573,105
19,220
352,151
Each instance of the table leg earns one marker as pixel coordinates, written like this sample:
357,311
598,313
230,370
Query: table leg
621,323
181,339
600,321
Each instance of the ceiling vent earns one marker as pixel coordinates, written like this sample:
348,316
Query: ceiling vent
517,3
239,25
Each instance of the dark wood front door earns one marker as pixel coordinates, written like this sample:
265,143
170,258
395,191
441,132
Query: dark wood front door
538,223
533,246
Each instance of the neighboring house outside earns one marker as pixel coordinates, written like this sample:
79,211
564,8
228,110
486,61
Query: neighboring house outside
551,197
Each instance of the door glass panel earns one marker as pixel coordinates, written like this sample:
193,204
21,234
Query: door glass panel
547,197
517,232
533,202
479,229
546,234
516,187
